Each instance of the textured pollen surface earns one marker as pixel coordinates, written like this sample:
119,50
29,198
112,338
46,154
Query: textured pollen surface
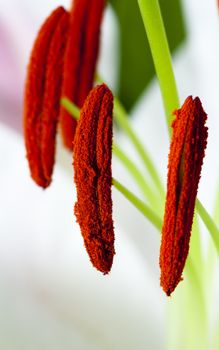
80,59
93,177
42,95
185,161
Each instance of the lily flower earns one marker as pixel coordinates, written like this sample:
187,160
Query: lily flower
50,295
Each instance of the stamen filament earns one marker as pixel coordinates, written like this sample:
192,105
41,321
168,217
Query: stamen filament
154,26
137,174
139,204
70,107
209,223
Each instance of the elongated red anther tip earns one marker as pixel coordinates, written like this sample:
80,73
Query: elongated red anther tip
80,59
186,155
93,177
42,95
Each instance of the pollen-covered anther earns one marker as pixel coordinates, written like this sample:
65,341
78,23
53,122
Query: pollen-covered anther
80,59
186,155
42,95
93,177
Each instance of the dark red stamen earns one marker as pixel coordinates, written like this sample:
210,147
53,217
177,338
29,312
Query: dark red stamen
42,95
80,59
93,177
185,161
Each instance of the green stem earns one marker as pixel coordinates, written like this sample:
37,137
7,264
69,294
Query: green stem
216,204
70,107
153,22
122,119
139,204
140,179
195,249
196,327
209,223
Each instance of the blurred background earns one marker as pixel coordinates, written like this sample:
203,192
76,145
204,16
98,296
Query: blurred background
50,296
